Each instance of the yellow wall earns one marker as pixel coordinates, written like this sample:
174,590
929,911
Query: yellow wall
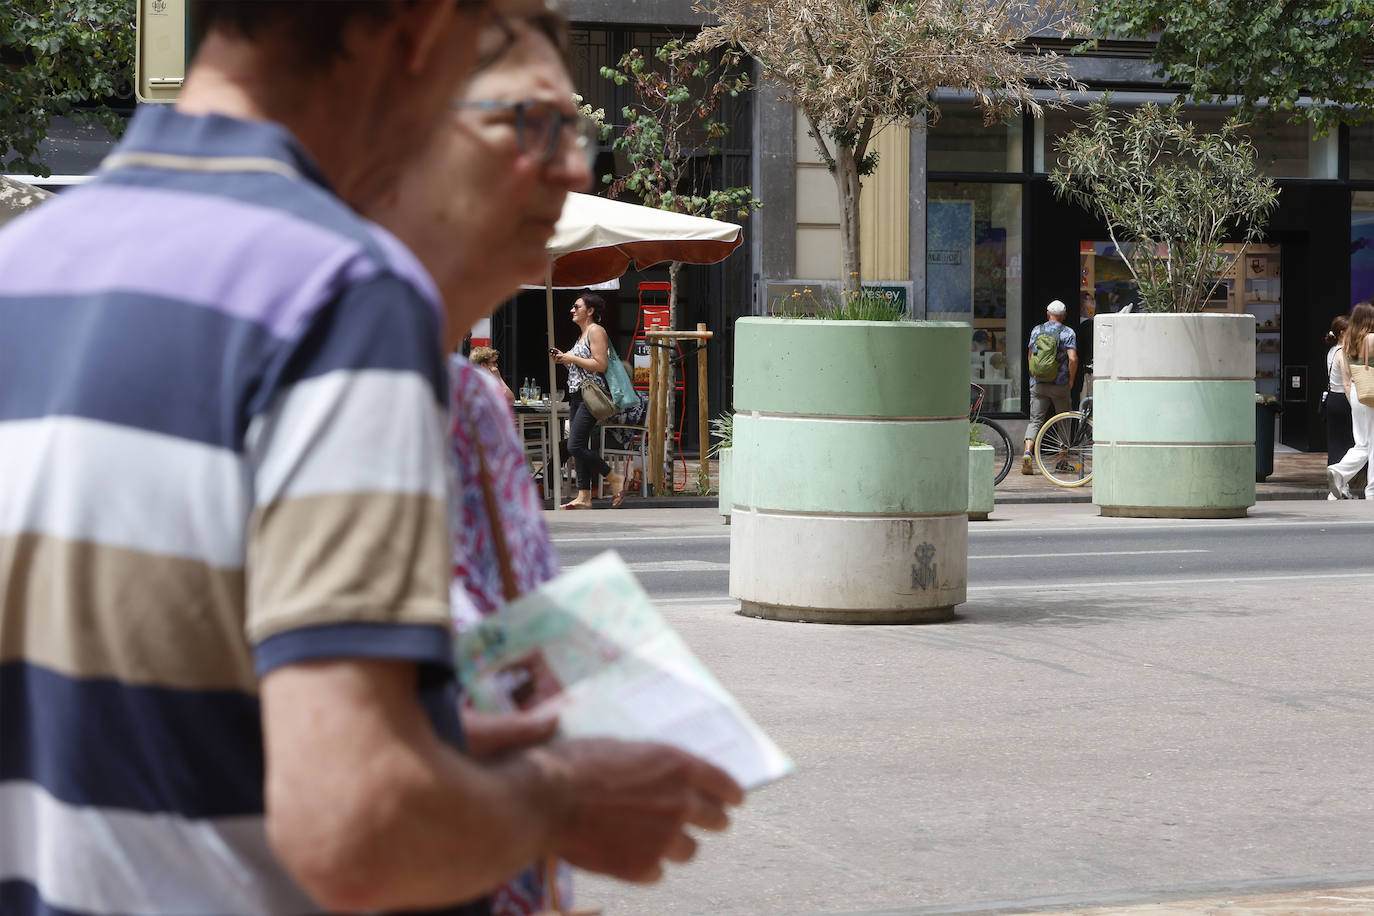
884,214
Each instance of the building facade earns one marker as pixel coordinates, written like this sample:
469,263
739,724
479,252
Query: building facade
961,219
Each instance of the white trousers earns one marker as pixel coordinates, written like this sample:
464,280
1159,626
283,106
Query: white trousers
1362,422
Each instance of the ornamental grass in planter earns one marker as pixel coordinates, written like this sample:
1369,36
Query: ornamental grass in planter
1173,389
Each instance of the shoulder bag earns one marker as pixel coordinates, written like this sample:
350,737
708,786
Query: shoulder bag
597,400
1362,377
511,590
618,380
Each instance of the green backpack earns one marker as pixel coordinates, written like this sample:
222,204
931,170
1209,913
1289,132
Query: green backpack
1044,358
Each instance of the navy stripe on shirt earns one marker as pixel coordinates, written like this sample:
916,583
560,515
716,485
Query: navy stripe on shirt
120,354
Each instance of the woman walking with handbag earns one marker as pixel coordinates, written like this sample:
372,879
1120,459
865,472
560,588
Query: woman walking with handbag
1358,381
589,400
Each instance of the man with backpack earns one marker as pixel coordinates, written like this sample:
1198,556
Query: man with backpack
1053,360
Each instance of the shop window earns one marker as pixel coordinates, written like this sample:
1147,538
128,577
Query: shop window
1362,247
1362,152
1248,284
973,273
961,142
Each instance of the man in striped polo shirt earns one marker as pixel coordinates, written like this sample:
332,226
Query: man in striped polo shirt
225,677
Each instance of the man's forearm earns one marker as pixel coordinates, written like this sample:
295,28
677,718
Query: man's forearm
382,814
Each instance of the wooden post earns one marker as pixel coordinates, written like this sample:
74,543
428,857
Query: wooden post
664,398
655,461
703,427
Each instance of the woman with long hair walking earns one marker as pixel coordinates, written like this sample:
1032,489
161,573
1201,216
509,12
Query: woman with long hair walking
1357,347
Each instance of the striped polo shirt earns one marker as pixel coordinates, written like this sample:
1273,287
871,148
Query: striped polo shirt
222,450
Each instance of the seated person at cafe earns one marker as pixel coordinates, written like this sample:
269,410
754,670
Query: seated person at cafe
489,358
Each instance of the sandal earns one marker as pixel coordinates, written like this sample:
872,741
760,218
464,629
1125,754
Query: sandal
575,504
617,482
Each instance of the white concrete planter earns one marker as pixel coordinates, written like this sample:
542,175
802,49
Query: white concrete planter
980,482
1174,415
723,495
849,473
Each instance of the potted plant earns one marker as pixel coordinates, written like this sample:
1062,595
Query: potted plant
723,429
981,476
1173,386
849,466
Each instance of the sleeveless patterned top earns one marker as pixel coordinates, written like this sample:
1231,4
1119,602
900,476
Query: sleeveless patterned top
577,376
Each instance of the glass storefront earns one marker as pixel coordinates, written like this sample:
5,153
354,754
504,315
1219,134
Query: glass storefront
1361,247
974,273
1362,153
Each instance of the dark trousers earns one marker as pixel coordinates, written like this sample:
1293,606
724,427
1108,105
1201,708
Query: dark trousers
590,465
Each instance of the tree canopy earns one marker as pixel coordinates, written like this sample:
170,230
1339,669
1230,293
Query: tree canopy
1169,194
853,67
60,57
1270,51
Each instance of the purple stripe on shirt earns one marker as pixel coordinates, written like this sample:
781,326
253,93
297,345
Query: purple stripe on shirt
405,265
169,244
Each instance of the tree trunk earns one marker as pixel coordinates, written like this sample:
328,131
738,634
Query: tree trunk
848,187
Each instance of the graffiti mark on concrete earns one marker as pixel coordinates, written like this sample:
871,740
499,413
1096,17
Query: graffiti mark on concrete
923,570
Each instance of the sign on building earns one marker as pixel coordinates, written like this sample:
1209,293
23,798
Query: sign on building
160,50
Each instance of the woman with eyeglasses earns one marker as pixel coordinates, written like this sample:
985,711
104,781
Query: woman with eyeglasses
586,363
477,210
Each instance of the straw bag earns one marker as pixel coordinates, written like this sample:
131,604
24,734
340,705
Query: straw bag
511,590
1362,377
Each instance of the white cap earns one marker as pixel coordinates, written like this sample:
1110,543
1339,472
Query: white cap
1056,308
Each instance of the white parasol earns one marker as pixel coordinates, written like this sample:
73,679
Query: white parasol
597,240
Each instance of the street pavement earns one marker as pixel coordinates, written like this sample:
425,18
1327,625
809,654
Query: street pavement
1128,716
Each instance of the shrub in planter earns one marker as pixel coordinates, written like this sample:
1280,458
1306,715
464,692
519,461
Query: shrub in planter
1173,393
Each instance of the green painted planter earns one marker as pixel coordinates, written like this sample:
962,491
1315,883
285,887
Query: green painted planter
980,482
1173,415
849,472
723,495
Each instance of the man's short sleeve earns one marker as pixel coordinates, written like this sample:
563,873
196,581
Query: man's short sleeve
1069,338
348,539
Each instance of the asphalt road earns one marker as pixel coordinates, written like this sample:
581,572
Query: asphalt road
1064,545
1125,710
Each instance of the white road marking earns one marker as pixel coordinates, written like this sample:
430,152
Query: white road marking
1169,582
661,566
636,538
1089,553
1119,526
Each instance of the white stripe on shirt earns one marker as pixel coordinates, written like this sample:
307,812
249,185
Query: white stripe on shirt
95,860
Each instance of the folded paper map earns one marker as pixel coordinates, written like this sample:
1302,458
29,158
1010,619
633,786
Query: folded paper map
591,642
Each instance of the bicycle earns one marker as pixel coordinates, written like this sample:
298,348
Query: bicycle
1064,447
989,433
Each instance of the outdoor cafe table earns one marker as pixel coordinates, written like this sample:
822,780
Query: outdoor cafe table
532,419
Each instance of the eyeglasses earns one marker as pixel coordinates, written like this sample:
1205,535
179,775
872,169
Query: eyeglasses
540,126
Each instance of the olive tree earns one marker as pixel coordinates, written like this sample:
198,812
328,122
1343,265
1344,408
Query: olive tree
673,124
1169,194
854,67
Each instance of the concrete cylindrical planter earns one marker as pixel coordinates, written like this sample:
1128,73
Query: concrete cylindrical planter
1173,415
849,476
723,495
980,482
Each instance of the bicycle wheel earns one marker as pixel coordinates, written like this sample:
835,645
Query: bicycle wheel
1064,449
989,433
